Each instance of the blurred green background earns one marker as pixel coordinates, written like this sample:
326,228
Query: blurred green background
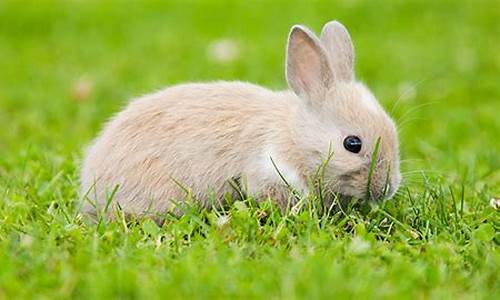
67,66
440,59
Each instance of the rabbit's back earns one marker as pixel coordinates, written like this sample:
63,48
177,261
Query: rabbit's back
193,136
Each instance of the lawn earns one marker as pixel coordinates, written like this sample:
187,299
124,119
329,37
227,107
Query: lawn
67,66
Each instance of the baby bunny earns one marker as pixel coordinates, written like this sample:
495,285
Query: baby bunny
199,139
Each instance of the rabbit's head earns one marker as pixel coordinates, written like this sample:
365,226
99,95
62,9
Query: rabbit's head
361,136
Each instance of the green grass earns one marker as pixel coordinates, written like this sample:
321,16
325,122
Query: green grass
433,65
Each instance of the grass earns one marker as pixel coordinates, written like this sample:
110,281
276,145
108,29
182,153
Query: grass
67,66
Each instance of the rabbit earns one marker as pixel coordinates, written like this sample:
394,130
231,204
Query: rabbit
196,140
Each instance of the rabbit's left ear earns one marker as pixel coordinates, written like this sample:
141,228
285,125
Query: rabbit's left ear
340,51
307,69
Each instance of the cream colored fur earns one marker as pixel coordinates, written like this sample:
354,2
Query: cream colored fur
198,138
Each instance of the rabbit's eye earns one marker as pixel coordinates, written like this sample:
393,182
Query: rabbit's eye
352,144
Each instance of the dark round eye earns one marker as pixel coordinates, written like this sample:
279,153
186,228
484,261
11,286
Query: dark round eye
352,143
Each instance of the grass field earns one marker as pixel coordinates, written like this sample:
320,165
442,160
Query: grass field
65,67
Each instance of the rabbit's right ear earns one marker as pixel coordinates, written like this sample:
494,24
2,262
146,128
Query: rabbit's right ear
307,69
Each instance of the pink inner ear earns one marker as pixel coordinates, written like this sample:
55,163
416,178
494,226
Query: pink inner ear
307,65
310,70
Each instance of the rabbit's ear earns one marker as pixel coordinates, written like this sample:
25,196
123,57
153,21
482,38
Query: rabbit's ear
307,70
337,42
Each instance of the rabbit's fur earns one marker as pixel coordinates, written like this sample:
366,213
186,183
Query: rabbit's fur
201,138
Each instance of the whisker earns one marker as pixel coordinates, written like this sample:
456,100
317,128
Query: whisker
403,125
405,93
408,163
410,159
413,109
413,180
422,172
